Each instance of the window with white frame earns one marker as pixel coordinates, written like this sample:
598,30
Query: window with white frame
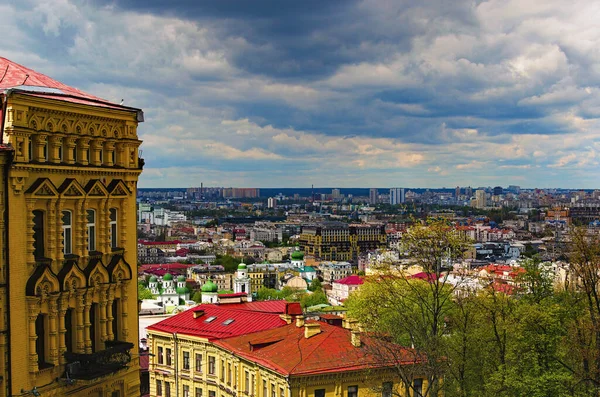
91,229
113,228
67,227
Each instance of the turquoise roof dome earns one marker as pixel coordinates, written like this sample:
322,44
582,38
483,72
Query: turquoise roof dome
153,279
181,278
168,277
242,266
209,286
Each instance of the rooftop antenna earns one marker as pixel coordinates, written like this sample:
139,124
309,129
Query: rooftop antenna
26,77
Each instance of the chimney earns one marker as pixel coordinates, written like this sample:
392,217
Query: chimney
299,321
311,329
355,338
198,313
286,317
350,323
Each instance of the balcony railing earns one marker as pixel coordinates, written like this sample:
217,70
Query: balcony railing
116,356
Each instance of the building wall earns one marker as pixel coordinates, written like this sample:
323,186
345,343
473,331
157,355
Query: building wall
71,157
341,243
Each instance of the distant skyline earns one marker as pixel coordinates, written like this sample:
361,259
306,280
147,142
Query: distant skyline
340,93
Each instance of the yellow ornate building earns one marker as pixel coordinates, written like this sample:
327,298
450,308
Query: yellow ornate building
68,290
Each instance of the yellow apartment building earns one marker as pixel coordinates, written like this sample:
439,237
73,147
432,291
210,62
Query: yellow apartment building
264,349
69,323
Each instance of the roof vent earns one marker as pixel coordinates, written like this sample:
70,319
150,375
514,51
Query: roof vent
311,329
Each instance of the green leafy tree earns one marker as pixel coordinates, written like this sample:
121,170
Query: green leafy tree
315,285
197,297
316,298
413,312
144,293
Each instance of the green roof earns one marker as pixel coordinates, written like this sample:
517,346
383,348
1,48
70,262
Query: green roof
181,278
168,277
153,279
182,290
209,286
242,266
297,255
307,269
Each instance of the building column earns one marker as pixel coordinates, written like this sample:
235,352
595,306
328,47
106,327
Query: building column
69,150
109,150
80,229
122,222
83,146
51,231
86,323
80,321
120,154
40,142
54,149
60,256
102,309
53,331
110,314
96,146
62,311
124,313
29,242
33,357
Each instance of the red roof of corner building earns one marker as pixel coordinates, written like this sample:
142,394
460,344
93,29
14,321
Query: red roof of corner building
351,280
29,82
246,319
287,351
272,306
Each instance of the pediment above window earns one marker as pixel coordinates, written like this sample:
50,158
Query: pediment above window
42,188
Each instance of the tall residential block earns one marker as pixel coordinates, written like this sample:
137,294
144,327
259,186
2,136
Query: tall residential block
397,196
69,323
480,199
373,196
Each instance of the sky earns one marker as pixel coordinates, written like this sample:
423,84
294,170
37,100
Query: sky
338,93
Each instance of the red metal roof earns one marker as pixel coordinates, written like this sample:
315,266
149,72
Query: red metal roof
32,83
287,351
351,280
272,306
245,320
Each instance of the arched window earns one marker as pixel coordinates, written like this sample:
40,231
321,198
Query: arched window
71,331
114,240
41,343
38,234
67,219
91,229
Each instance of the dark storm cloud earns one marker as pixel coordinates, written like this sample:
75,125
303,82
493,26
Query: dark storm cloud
368,90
